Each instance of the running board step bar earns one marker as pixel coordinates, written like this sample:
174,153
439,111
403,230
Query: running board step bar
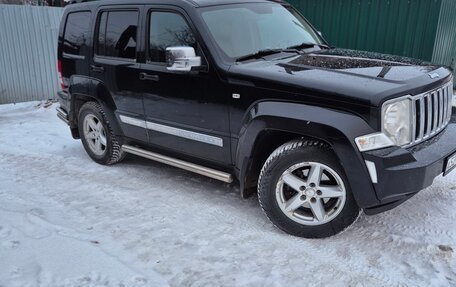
62,115
209,172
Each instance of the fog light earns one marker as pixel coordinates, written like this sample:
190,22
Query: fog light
373,141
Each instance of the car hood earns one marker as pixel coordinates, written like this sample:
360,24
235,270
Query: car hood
343,75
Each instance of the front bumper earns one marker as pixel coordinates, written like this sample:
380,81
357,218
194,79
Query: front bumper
401,173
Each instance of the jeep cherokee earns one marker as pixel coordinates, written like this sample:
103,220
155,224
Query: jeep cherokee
250,91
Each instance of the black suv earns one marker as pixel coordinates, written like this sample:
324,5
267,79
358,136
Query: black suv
250,91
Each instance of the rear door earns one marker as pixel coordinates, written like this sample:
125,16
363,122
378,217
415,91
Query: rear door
114,63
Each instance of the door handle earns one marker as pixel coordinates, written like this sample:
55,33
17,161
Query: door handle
148,77
97,69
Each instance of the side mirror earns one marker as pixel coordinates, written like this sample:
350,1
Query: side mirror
181,59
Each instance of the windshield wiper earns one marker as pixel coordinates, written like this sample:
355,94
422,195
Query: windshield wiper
308,45
259,54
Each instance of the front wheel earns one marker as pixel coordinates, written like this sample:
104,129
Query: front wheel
303,190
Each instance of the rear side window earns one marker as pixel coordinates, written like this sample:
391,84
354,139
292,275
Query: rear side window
117,34
76,35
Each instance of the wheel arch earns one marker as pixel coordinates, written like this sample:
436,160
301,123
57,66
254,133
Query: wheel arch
86,90
271,124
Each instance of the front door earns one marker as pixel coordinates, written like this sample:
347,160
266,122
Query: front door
183,111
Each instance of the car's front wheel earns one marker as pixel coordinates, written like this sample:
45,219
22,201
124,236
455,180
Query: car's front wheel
303,190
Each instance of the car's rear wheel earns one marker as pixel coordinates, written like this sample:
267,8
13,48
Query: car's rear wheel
97,137
303,190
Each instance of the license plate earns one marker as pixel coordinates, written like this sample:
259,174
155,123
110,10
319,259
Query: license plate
450,164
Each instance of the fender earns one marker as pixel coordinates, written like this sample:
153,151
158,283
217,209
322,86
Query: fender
87,89
337,128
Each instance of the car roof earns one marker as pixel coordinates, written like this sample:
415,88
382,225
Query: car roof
194,3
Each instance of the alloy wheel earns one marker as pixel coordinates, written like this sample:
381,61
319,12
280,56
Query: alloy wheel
310,193
95,134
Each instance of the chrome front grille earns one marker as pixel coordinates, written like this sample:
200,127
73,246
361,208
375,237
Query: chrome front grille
431,112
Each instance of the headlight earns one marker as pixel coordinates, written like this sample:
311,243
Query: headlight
397,120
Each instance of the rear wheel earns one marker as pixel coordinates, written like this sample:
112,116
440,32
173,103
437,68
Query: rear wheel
97,137
303,191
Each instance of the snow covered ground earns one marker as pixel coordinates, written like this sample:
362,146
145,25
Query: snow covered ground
67,221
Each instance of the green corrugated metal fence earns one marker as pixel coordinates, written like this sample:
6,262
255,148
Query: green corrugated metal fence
423,29
445,41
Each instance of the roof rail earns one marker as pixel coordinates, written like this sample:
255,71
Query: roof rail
69,2
279,1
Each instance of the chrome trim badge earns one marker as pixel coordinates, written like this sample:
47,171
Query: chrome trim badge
434,75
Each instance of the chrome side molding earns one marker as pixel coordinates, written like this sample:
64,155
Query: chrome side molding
209,172
62,115
204,138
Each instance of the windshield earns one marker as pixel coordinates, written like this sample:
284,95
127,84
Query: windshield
240,30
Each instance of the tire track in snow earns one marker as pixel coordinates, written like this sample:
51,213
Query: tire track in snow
400,227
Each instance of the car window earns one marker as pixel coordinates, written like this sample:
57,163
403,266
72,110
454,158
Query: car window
76,33
117,34
167,29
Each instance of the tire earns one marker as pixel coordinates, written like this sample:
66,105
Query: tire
97,136
303,190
